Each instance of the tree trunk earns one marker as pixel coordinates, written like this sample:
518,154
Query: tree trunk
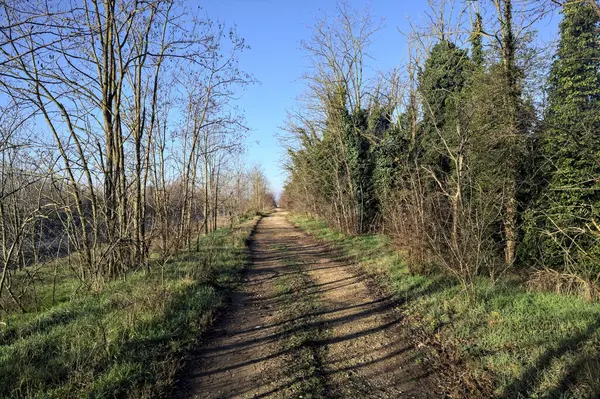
512,103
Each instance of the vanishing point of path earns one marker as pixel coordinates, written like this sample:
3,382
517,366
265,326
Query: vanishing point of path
305,325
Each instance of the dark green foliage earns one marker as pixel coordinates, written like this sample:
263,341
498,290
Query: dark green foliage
465,173
333,171
559,230
367,126
441,82
470,175
476,42
445,73
391,157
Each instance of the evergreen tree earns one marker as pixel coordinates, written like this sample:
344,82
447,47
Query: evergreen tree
558,227
360,162
476,42
441,82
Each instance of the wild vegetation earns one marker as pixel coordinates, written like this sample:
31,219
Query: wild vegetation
128,340
122,181
465,181
473,161
503,341
119,139
477,162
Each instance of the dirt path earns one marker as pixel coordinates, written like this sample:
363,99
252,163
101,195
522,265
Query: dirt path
306,325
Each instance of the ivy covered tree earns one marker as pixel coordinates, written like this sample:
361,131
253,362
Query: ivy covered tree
391,158
476,42
455,163
444,141
561,229
441,82
370,128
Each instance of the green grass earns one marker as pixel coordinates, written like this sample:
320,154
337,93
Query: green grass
503,341
128,340
302,332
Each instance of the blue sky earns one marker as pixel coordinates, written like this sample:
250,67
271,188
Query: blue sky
274,29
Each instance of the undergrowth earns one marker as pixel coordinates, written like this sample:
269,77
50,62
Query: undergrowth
128,340
502,341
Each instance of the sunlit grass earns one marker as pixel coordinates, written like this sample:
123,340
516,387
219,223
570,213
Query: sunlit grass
507,341
129,339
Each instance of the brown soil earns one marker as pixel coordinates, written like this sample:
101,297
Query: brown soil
364,353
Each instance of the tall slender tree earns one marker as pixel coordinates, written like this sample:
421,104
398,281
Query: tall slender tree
476,41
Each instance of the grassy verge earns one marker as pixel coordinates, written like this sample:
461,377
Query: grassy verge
129,339
302,331
504,341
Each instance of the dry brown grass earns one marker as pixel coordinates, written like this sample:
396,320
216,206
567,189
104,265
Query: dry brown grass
549,280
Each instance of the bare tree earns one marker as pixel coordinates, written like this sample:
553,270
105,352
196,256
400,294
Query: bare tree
95,73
